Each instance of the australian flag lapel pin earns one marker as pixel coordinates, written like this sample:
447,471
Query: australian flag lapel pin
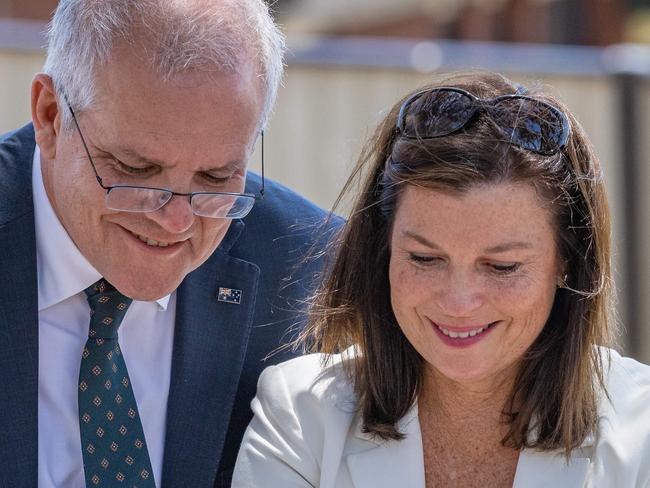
229,295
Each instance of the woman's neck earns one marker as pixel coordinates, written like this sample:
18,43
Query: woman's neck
462,428
465,410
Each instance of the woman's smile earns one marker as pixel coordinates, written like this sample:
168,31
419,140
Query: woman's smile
463,336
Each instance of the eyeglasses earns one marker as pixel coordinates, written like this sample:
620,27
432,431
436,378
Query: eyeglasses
130,198
529,123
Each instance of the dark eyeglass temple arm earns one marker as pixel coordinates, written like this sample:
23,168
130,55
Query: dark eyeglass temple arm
83,141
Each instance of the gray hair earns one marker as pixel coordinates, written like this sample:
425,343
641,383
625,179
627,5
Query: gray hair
179,36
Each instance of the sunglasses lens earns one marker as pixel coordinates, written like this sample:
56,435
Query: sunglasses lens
531,124
437,113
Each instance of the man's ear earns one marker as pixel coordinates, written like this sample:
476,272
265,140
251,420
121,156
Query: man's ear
45,114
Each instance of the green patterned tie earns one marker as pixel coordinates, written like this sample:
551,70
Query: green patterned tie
114,448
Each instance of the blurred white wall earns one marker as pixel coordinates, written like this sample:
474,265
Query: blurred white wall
17,69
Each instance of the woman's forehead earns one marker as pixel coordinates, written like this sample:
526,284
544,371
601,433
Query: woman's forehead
489,214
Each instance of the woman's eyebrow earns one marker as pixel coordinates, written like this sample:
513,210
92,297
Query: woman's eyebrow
499,248
509,246
418,238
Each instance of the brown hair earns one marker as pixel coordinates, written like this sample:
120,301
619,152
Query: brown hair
555,392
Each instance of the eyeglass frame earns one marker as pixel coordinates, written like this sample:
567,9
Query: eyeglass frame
166,190
480,105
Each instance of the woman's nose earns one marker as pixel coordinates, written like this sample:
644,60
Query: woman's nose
461,294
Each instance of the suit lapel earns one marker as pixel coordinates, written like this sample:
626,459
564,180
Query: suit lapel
18,315
387,464
210,341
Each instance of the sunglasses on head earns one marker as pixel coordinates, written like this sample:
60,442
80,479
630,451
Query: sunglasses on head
529,123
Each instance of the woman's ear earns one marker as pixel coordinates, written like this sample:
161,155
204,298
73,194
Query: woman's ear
562,275
45,114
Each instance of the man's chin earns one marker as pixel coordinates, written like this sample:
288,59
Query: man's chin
153,289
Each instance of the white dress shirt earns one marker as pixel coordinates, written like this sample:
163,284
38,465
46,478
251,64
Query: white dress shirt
146,338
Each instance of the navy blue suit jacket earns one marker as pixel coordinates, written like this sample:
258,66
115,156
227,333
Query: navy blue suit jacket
219,348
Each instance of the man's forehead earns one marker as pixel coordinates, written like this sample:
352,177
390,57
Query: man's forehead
136,91
128,63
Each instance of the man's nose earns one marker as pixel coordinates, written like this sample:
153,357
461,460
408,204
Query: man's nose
461,294
175,216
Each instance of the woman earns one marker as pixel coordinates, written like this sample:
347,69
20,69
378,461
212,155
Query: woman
462,329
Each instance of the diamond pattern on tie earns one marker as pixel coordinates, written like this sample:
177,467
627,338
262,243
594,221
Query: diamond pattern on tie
112,440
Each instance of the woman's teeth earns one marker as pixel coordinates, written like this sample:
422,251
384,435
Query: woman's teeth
463,335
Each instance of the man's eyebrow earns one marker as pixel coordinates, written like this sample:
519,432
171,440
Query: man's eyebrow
500,248
132,155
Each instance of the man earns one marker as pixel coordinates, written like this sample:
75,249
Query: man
132,176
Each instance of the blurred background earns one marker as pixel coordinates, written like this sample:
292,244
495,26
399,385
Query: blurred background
349,61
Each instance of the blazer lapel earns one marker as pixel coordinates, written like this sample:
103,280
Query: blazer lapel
387,464
550,469
210,340
378,464
18,317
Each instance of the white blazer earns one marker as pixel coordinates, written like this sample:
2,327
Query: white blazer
305,433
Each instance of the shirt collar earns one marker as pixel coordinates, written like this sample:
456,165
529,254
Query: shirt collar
63,271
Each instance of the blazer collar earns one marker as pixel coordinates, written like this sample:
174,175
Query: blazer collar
210,341
548,469
538,469
374,463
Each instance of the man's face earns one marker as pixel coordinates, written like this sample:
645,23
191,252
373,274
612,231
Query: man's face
192,133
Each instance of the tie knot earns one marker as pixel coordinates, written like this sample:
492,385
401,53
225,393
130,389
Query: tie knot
107,309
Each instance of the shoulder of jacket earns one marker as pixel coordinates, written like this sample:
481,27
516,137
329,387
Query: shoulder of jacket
284,209
311,382
626,376
623,440
625,412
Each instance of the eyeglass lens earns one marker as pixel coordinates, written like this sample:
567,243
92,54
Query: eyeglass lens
531,124
134,199
222,206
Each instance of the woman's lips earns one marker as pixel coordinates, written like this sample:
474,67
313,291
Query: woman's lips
463,336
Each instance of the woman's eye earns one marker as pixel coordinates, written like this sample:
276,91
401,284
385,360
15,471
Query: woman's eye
504,269
419,259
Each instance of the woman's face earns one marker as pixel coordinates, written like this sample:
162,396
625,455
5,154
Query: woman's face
473,276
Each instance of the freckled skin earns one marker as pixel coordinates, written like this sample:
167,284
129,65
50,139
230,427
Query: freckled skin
452,262
191,123
461,286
